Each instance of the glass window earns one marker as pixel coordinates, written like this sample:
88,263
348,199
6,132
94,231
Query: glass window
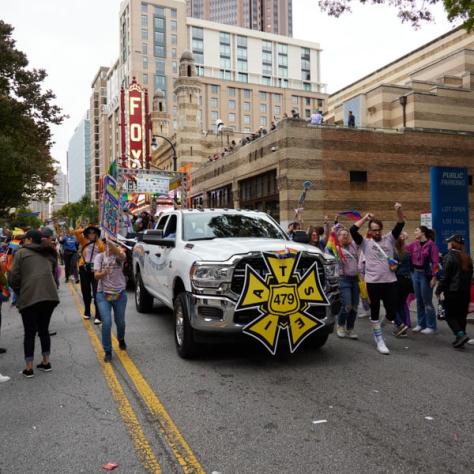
145,62
246,106
241,53
160,82
231,91
159,38
267,58
200,70
214,115
241,66
224,38
173,12
267,69
214,89
263,95
307,101
263,108
174,25
247,119
197,45
224,50
213,103
305,65
277,110
282,48
246,130
197,33
225,63
160,67
282,60
263,121
174,39
223,74
242,41
174,65
294,99
144,48
267,46
173,52
232,104
199,59
283,71
276,98
145,79
307,113
307,86
159,11
144,35
242,77
246,93
159,23
159,51
144,7
144,21
231,117
305,53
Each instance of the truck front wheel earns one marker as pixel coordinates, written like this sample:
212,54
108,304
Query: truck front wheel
183,334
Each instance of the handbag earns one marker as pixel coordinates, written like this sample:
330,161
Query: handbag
392,262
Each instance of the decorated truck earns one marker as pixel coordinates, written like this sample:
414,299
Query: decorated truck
228,272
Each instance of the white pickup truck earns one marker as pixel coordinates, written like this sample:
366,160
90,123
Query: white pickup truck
196,262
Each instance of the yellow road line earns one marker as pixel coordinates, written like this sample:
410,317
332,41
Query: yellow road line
181,450
142,446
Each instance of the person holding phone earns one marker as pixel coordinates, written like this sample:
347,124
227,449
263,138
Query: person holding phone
111,294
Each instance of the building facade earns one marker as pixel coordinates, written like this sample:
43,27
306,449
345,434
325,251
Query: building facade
79,162
272,16
61,195
431,87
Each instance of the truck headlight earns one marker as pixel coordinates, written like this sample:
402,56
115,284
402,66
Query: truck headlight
210,275
332,270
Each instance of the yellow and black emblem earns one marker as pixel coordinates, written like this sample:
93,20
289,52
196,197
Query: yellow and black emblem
282,299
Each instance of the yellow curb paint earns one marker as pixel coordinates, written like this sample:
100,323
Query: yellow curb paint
141,444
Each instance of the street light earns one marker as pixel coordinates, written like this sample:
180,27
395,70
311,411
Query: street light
154,145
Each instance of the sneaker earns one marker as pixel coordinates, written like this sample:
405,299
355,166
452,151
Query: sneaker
471,342
87,316
400,330
417,328
460,341
427,331
4,378
44,367
97,321
28,373
122,345
351,335
381,347
108,357
363,314
340,331
2,350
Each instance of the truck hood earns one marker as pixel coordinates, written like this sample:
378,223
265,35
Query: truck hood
219,250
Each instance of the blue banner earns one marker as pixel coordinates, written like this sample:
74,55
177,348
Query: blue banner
450,204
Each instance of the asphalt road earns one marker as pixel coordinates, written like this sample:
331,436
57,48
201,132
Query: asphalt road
236,409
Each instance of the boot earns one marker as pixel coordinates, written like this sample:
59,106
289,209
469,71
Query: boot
378,337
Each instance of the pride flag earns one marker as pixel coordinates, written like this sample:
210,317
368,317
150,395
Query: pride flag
352,214
334,247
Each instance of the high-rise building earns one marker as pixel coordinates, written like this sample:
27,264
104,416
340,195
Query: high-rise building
98,147
60,197
272,16
79,161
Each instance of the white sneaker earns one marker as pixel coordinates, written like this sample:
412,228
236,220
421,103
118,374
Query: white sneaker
351,335
340,331
427,331
363,314
417,328
4,378
381,347
97,321
471,342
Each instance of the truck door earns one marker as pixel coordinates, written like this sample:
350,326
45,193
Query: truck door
149,277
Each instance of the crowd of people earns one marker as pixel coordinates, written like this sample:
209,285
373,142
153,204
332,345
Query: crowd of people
30,275
384,268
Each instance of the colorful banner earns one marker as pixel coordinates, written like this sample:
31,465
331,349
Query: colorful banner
110,207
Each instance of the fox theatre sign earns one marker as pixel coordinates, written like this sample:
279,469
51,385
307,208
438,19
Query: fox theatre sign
135,126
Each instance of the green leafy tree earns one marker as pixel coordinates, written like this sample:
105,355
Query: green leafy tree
83,210
24,218
412,11
26,113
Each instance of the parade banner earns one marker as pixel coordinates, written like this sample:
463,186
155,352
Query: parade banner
282,300
450,204
149,183
110,207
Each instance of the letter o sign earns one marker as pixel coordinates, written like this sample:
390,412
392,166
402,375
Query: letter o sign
135,132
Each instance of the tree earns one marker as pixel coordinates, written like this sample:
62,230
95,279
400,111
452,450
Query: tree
83,210
24,218
26,113
412,11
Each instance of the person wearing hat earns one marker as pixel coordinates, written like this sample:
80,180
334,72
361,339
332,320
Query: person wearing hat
456,287
90,246
33,278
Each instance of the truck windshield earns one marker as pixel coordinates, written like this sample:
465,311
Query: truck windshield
208,226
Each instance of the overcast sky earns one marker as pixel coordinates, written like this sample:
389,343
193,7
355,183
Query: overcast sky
72,38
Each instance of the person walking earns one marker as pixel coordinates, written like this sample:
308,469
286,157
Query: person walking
33,278
90,246
348,263
3,297
404,281
455,285
425,263
111,294
380,270
70,247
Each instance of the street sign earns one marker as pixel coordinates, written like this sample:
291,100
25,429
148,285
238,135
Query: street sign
426,219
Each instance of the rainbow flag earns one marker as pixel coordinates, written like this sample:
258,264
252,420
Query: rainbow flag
14,245
334,247
353,215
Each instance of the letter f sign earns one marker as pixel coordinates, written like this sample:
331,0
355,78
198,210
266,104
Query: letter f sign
134,104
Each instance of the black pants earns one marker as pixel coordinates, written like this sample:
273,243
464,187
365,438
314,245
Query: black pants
70,264
89,290
388,294
405,287
456,306
36,319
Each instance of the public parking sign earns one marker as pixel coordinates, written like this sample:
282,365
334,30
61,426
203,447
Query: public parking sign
450,204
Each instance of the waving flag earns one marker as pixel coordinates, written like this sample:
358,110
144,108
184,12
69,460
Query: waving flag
334,247
353,215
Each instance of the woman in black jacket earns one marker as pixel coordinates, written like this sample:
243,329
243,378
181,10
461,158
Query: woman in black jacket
456,287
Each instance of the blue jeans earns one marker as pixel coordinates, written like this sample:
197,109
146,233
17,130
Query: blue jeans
349,288
425,312
105,308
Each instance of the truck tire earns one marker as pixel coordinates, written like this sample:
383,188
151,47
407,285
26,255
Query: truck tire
319,340
143,299
183,332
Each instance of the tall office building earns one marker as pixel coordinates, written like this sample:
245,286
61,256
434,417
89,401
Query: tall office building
272,16
79,161
60,198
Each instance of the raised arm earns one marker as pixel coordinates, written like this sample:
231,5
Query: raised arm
354,230
397,230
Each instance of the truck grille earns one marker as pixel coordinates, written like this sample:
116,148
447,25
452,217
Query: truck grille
258,264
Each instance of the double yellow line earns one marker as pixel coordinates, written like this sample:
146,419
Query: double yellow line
175,440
